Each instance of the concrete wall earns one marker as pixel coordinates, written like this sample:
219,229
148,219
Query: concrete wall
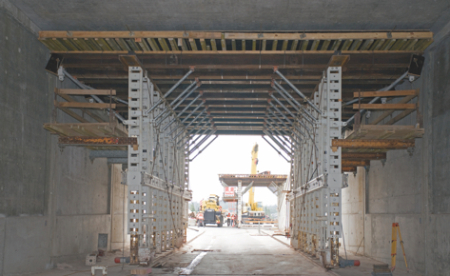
53,203
353,201
412,190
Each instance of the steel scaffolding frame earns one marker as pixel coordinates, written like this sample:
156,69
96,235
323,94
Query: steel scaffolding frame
157,176
316,176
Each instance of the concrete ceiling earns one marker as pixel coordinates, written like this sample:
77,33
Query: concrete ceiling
307,15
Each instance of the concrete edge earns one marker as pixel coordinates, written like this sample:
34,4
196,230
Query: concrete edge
20,16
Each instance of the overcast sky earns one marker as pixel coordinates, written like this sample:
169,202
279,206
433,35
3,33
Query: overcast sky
232,155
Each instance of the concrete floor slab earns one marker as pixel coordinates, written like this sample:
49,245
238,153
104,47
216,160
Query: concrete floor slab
225,251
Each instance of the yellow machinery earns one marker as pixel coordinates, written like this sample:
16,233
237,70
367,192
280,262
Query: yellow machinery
251,196
211,212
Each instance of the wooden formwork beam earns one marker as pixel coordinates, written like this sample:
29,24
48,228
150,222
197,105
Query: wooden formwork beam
90,141
372,144
363,156
394,93
355,163
384,106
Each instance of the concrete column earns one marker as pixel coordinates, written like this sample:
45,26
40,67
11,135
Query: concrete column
239,202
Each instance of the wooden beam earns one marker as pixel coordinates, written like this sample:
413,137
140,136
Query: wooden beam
236,35
61,91
372,144
88,141
389,112
355,163
384,106
84,105
348,169
393,93
363,155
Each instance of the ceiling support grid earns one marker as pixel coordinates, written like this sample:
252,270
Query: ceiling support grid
156,177
315,198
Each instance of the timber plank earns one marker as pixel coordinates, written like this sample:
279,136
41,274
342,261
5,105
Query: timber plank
236,35
84,105
384,106
61,91
393,93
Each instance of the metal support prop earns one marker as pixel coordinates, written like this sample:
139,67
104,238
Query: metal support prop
280,132
164,112
376,98
280,89
286,118
275,148
170,91
184,127
287,144
296,90
278,143
187,117
184,109
200,132
207,145
288,111
202,141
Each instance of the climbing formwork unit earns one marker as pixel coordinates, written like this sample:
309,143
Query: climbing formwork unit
315,198
158,188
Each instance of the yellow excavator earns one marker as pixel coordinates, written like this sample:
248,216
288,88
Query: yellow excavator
253,212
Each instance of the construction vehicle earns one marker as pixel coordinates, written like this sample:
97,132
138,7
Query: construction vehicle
252,212
210,212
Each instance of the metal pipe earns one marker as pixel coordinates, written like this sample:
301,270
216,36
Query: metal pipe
290,113
190,114
281,132
199,135
274,148
182,111
276,142
189,123
276,116
286,118
203,148
273,129
185,97
197,124
182,93
202,141
296,90
376,98
170,90
283,91
97,99
175,107
174,119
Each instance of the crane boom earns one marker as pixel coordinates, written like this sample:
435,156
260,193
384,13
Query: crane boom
251,195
